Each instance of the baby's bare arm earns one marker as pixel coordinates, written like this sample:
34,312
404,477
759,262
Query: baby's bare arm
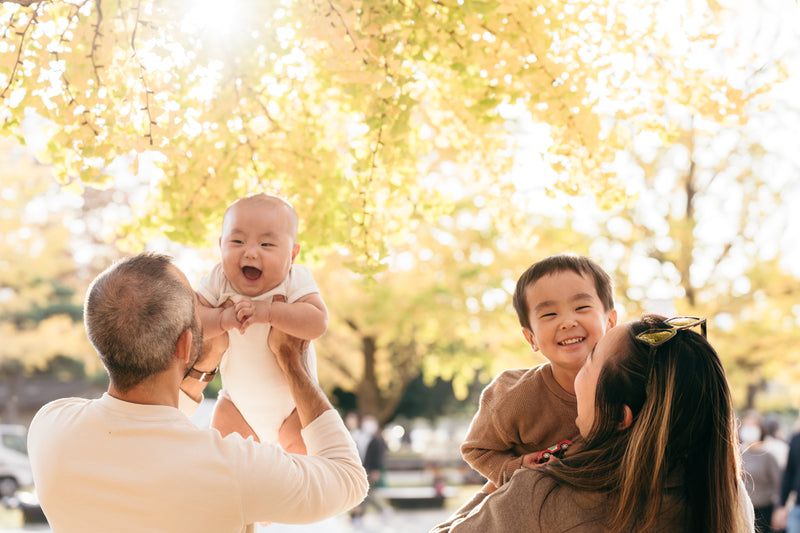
216,320
305,318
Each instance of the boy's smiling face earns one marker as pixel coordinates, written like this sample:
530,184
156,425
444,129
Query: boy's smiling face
567,319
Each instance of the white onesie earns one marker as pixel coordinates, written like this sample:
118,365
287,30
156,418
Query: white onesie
250,373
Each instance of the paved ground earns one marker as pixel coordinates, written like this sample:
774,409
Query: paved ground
390,521
396,521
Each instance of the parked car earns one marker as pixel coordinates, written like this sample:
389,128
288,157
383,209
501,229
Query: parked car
15,467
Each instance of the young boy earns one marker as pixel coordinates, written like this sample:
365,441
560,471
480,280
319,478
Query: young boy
257,286
565,304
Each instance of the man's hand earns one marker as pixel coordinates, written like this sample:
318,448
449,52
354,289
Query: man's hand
289,351
210,356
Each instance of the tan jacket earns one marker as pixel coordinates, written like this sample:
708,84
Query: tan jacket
523,410
533,503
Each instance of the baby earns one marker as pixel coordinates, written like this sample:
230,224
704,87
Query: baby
257,286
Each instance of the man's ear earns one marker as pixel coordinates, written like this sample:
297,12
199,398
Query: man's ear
627,418
528,334
183,349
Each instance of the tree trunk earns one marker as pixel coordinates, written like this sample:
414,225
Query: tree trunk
368,397
13,373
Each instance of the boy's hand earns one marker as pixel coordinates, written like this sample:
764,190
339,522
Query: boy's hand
529,460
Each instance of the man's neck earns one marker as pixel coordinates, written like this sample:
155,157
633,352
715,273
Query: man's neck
161,389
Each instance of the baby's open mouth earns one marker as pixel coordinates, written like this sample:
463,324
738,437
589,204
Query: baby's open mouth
251,273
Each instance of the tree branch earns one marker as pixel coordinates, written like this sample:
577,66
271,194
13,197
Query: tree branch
20,48
61,40
97,34
147,91
347,30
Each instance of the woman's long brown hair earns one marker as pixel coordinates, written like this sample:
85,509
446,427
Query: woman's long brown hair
683,430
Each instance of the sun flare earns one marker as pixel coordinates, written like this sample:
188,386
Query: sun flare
211,15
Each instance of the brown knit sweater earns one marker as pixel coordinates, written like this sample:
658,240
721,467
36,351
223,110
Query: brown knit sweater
523,410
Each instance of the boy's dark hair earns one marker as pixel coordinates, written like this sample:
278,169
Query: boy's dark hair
583,266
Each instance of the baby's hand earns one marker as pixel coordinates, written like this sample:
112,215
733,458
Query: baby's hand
252,312
244,309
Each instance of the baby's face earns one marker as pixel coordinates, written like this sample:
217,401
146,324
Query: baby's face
257,246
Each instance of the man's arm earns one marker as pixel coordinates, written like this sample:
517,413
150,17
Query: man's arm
309,399
329,481
208,361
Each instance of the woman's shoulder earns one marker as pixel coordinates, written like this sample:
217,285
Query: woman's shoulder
540,487
561,507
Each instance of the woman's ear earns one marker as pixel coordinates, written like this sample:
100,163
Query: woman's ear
627,418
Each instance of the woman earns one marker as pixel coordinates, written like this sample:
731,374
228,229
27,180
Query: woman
655,412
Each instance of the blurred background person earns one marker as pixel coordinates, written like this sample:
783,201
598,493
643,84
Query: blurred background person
353,422
762,474
787,516
775,442
374,461
774,439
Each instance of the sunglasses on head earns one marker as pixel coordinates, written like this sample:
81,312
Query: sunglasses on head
658,336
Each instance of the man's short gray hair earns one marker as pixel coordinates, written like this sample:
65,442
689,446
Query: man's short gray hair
135,311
